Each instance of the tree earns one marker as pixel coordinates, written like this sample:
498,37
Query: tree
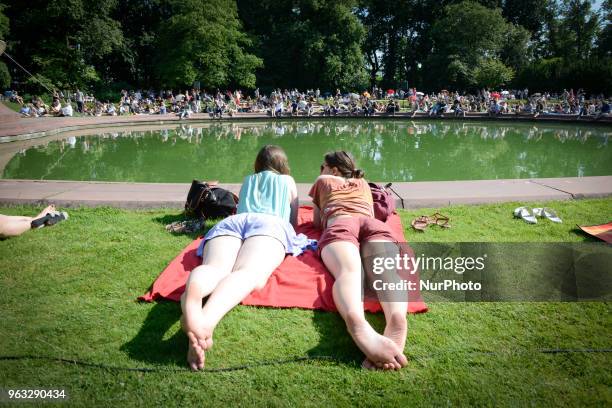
70,39
604,41
469,38
579,28
492,73
306,43
332,44
469,30
203,40
5,76
515,51
529,14
390,38
134,62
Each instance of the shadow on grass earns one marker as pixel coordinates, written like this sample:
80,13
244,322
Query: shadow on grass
587,238
151,344
334,339
170,218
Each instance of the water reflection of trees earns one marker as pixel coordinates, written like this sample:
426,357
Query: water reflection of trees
387,150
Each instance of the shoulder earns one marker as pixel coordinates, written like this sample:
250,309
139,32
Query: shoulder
328,179
361,182
249,177
287,178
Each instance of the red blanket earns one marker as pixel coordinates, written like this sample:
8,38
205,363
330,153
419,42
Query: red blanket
603,231
301,281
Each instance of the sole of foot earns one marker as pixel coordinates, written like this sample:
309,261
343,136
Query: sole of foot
381,351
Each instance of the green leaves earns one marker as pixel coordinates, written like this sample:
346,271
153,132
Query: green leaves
5,76
4,22
306,43
471,44
203,41
492,73
342,44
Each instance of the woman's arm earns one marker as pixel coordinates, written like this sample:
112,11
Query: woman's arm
314,194
316,217
295,203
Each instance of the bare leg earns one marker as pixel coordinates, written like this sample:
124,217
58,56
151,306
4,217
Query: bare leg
344,262
11,226
217,262
396,325
14,225
259,256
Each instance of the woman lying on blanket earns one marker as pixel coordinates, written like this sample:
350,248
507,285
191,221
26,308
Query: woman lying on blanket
242,251
343,209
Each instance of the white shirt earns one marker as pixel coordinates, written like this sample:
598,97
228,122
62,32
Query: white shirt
67,110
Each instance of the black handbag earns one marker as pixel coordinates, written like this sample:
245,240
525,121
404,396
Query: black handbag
205,200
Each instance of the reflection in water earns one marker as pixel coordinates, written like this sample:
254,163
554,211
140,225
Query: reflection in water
386,150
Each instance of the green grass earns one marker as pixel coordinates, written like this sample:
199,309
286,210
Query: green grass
69,291
13,105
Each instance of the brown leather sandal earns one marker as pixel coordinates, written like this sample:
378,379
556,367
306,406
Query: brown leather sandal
440,220
420,223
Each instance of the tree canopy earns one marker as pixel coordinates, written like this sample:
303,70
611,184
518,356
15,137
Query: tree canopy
5,76
105,45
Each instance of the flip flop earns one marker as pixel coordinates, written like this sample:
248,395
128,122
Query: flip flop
547,213
526,214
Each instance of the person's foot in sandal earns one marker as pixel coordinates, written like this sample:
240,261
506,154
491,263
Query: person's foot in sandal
51,218
55,217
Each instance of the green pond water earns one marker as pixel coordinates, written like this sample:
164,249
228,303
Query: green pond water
387,151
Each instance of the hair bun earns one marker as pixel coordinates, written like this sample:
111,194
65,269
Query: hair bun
358,173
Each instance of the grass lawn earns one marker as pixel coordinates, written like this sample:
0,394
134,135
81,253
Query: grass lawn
69,291
13,105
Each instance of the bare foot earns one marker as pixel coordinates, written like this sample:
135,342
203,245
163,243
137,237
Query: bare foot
200,341
195,354
44,212
368,365
379,350
397,329
192,319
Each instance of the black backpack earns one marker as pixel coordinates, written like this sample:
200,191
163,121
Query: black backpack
204,200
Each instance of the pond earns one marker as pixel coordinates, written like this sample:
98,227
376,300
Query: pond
398,150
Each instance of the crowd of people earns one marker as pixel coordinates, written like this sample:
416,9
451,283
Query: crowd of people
311,102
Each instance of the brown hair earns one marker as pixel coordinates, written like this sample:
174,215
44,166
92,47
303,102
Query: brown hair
272,158
345,164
